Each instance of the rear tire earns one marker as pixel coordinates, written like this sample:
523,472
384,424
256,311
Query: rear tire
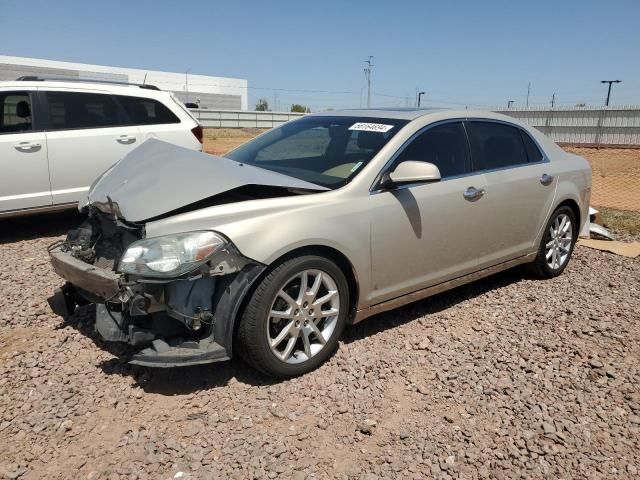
556,246
295,316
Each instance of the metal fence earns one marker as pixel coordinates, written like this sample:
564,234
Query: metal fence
242,119
584,126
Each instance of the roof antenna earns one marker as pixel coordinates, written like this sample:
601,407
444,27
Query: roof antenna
144,81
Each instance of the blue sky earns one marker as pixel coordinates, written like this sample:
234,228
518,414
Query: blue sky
459,52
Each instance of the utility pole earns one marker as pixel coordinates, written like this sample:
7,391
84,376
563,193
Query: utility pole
528,92
609,90
420,96
367,74
509,103
275,102
553,99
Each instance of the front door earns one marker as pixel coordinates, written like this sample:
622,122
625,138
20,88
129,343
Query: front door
24,172
426,234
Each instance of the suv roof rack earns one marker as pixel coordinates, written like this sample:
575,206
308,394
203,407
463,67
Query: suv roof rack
37,78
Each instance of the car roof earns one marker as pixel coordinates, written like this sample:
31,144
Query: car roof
125,89
415,113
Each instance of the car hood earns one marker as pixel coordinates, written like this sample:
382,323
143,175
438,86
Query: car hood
159,177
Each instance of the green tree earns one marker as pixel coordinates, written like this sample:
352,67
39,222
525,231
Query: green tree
296,107
262,105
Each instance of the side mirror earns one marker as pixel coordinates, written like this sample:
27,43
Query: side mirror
409,172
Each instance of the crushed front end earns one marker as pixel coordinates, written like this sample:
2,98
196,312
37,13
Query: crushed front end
174,298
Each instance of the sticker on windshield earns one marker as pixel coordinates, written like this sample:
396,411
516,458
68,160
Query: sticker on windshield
371,127
355,167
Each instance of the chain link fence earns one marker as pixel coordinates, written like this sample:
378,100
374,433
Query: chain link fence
616,176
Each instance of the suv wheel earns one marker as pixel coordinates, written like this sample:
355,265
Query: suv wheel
557,244
295,317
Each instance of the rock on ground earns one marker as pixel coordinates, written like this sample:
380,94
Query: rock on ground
509,377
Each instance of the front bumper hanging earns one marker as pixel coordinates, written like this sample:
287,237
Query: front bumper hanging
157,317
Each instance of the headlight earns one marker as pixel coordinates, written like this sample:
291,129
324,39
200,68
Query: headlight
171,255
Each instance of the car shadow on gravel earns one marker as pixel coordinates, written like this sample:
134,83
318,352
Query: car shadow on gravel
14,230
432,305
163,381
188,380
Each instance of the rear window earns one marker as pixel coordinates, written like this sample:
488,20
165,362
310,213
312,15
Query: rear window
495,145
15,112
147,111
73,110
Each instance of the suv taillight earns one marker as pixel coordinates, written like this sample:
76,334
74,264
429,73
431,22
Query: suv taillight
197,131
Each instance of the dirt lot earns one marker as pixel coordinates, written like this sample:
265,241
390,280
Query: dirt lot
506,378
616,176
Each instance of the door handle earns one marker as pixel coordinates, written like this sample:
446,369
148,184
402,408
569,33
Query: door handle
126,139
27,146
472,193
546,179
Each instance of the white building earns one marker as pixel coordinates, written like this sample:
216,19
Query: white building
220,93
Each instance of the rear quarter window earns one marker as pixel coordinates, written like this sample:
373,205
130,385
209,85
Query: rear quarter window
147,111
533,152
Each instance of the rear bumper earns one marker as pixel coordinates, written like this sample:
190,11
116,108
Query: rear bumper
102,283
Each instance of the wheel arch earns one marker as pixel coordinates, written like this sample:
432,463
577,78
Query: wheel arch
331,253
573,205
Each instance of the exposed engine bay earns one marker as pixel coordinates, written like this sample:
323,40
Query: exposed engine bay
176,321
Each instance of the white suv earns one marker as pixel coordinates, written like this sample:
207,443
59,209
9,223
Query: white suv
57,136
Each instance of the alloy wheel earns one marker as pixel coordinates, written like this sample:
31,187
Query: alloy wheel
558,246
303,316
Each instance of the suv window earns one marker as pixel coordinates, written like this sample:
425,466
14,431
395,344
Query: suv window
533,152
15,112
71,110
146,111
444,145
495,145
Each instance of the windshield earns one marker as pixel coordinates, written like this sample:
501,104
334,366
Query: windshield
327,151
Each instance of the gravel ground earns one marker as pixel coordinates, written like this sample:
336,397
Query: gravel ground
505,378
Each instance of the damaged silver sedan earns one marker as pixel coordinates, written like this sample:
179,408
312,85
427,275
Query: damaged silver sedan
271,251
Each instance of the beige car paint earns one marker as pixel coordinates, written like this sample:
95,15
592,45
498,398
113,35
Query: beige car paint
412,239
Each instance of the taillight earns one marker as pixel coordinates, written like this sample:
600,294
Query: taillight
197,131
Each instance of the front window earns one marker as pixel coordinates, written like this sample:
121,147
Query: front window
15,112
443,145
327,151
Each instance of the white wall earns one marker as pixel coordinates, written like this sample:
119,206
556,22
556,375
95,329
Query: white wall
13,67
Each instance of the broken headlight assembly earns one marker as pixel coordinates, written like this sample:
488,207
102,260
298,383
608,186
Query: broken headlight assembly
173,255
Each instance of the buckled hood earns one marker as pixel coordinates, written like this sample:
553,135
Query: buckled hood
159,177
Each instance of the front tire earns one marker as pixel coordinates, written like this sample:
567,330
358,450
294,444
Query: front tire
295,316
556,246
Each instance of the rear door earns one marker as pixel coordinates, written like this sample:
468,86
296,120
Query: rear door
519,189
155,120
24,172
87,132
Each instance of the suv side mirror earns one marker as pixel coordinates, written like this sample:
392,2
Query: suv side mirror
409,172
